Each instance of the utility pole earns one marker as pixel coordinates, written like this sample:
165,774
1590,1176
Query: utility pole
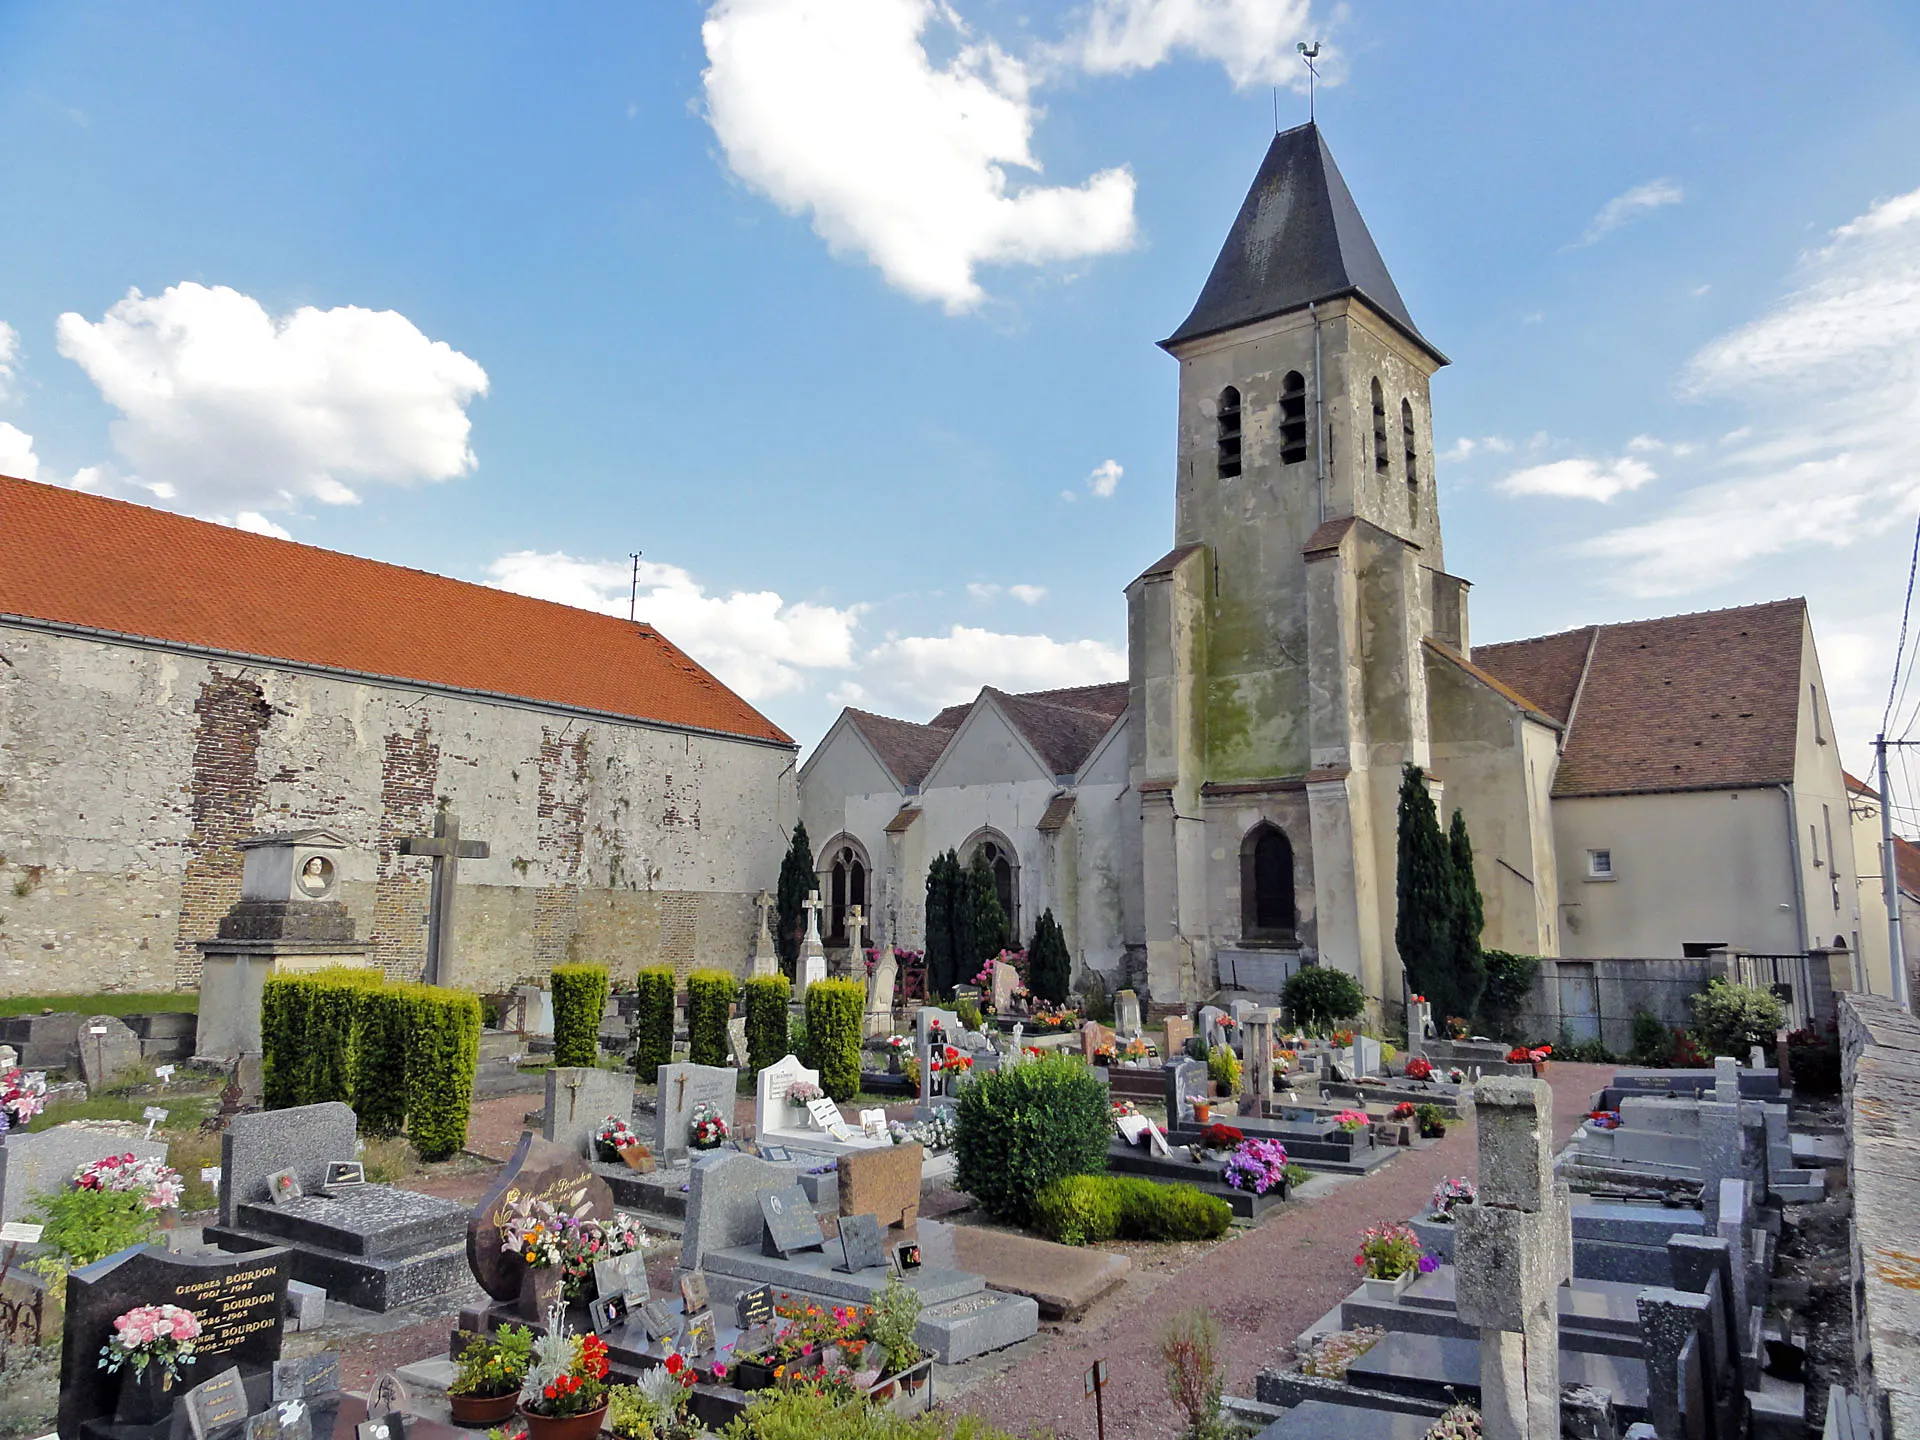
1890,879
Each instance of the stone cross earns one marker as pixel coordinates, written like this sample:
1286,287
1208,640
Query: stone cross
813,907
856,925
1512,1249
813,957
446,849
765,958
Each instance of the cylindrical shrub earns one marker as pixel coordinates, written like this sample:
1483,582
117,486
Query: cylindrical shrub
443,1049
380,1061
1019,1130
652,1022
1318,996
709,1006
579,1003
834,1012
1049,967
767,999
1087,1209
307,1034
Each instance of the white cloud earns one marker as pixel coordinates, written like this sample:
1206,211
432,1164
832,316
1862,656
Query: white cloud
254,521
921,673
1105,479
226,408
1598,480
1653,445
1253,39
981,590
16,453
835,108
756,642
1028,594
9,357
1624,209
1466,445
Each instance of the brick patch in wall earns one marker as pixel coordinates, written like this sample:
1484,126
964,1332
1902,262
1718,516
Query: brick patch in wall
409,777
224,791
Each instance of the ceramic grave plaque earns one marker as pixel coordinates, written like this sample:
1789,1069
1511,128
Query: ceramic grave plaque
861,1243
791,1225
218,1406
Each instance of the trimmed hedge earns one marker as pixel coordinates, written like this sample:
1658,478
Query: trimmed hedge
380,1061
1730,1019
767,999
709,1006
307,1022
443,1047
1019,1130
579,1002
652,1022
1083,1209
834,1012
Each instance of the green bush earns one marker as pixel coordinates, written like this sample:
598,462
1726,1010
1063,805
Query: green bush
307,1024
579,1004
1223,1068
835,1009
443,1049
1652,1041
1730,1019
767,999
709,1006
1087,1209
969,1012
1582,1052
1049,966
83,1226
1019,1130
652,1021
380,1062
1318,996
783,1414
1198,1049
1509,985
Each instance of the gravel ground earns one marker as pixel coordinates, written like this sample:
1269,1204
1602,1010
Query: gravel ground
1264,1286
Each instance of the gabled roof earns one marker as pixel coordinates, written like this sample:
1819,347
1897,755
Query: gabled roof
1491,681
1298,239
1063,735
906,749
1689,702
1064,727
72,559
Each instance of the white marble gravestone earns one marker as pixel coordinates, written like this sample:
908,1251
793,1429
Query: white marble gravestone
813,954
1006,980
880,985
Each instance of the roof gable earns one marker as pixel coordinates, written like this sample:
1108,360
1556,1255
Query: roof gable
1298,239
970,755
907,750
73,559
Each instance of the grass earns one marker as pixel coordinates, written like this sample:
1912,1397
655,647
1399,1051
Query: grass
128,1003
184,1111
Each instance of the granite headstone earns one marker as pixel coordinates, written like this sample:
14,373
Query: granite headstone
302,1138
791,1225
861,1243
580,1100
540,1169
683,1088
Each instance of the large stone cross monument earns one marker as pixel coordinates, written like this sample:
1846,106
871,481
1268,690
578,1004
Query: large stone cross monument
447,850
813,955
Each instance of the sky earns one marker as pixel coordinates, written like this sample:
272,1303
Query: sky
843,312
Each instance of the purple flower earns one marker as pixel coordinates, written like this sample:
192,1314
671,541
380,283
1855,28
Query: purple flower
1428,1264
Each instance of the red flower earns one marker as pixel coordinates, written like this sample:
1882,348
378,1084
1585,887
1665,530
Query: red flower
551,1393
675,1364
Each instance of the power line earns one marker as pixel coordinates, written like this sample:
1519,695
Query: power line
1906,611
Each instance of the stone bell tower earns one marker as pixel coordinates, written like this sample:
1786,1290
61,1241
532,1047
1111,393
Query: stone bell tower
1276,652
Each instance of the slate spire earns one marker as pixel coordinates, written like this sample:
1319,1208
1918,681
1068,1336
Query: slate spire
1298,239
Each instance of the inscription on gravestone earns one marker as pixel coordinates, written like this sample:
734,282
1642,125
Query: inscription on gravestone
755,1307
545,1171
861,1243
791,1224
217,1405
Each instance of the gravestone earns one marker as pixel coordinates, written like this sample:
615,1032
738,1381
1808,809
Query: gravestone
880,988
682,1089
1211,1030
44,1162
1419,1026
301,1138
1257,1037
215,1405
1179,1031
1726,1079
1126,1014
930,1021
1512,1249
883,1182
856,924
737,1042
544,1171
238,1299
1006,980
791,1225
771,1113
723,1204
1186,1081
580,1101
108,1050
1093,1036
766,957
813,955
861,1243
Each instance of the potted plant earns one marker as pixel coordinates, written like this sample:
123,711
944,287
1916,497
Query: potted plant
1258,1166
156,1183
1447,1196
1202,1112
1432,1121
707,1130
152,1343
1389,1258
612,1137
655,1408
1351,1121
1222,1137
1535,1055
897,1045
890,1326
489,1372
564,1393
1419,1068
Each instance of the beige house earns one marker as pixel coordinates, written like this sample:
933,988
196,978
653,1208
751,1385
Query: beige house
1875,949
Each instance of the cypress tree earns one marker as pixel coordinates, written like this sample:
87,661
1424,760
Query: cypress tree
1423,931
797,881
990,928
1469,918
940,958
1049,967
960,908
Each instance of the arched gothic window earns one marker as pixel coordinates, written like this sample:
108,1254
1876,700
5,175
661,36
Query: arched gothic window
1381,463
1293,418
1006,879
846,886
1266,886
1412,455
1228,445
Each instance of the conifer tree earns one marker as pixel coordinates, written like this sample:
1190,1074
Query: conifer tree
1469,918
797,881
990,929
965,964
941,962
1424,929
1049,967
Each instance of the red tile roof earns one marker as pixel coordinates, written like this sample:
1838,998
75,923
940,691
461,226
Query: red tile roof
1689,702
1906,864
82,560
1064,726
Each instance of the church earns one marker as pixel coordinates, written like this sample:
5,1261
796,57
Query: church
1228,813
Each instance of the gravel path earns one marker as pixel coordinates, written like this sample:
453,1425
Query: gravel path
1263,1286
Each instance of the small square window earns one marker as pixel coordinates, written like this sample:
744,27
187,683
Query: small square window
1600,864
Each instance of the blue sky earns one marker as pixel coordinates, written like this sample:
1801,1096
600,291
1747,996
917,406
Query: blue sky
768,290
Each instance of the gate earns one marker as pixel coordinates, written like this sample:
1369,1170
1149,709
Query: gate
1579,1002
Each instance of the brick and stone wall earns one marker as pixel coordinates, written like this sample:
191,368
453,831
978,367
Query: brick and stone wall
129,774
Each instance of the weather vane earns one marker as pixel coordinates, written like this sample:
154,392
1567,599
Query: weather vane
1313,71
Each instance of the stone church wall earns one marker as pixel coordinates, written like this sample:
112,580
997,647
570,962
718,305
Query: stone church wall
128,774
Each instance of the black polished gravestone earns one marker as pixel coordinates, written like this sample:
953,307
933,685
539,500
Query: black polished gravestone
790,1222
239,1299
537,1169
862,1243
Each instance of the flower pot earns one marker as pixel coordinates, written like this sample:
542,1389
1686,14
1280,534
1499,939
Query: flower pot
147,1396
1385,1292
539,1290
1202,1113
1433,1132
564,1427
483,1409
751,1375
1539,1068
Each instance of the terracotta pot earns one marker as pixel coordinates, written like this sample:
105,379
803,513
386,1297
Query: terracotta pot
564,1427
1540,1068
1202,1113
483,1409
539,1290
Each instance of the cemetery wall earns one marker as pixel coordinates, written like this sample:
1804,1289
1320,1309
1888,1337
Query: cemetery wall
1618,989
131,773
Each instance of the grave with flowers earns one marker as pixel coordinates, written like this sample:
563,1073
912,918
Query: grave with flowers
1248,1172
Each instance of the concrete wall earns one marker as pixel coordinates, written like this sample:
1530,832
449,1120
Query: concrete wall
1622,987
128,774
